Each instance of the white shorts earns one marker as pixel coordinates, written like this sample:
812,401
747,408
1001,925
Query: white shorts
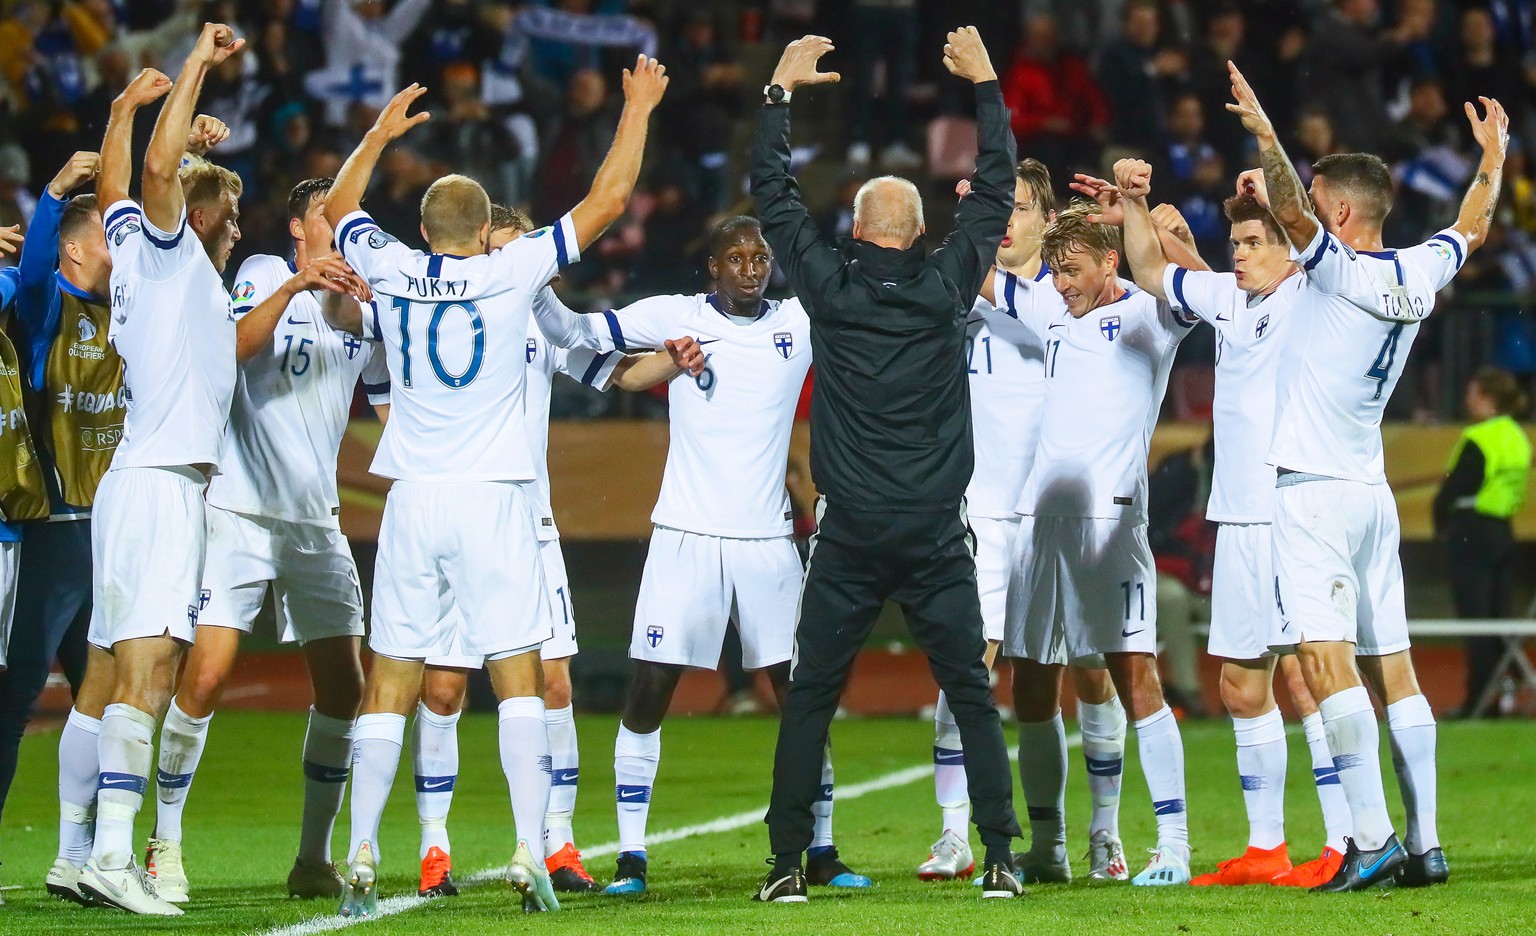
1337,571
149,538
562,615
10,562
996,542
1083,588
466,545
309,567
1244,623
694,584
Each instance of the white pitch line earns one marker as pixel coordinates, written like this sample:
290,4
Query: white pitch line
390,906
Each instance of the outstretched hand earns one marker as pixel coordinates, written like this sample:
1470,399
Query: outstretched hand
644,86
966,56
332,275
1491,131
1105,194
1255,121
797,66
394,122
10,239
686,354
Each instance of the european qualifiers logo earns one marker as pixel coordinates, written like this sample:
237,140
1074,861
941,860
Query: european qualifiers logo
83,348
1109,325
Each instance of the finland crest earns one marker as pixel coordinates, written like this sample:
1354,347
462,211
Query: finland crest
653,635
1110,326
533,349
785,342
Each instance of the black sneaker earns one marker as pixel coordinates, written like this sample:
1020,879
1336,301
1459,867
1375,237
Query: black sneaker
1424,870
629,876
787,886
1000,880
1365,869
823,868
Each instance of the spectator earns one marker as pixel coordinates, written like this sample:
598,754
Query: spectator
1344,69
395,198
16,201
702,101
467,137
1058,113
883,31
1479,66
1431,169
1200,182
670,252
1314,140
362,45
1133,73
574,146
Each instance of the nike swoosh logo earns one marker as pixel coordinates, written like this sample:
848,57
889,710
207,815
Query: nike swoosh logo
1058,325
635,795
117,783
1131,633
950,758
1222,318
292,322
436,786
1367,870
705,341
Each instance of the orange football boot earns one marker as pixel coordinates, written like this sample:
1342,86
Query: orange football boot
1312,873
1253,866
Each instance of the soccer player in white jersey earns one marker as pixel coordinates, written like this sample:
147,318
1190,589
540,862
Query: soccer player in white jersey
1251,311
722,549
434,742
1086,584
1338,579
458,528
172,326
1007,373
272,522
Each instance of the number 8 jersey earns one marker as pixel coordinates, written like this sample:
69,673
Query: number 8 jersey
1349,337
455,330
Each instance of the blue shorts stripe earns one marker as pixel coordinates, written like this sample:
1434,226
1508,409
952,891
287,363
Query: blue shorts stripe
121,782
321,773
436,784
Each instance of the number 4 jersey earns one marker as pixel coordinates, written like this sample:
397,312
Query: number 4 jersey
1353,326
292,401
456,332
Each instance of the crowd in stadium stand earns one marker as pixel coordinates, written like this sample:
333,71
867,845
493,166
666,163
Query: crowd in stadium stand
524,97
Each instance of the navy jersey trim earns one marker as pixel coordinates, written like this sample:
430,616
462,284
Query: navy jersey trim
1317,257
165,243
1455,247
595,367
615,330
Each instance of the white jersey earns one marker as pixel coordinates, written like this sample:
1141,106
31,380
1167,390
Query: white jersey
1355,323
292,402
1007,377
730,425
455,330
1249,346
172,326
546,359
1105,375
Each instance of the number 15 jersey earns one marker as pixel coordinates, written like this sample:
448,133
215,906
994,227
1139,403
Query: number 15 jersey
1351,331
456,333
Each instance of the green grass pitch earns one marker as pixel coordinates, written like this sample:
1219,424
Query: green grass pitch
242,824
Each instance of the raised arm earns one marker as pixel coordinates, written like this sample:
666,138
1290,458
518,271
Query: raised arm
1285,197
346,195
615,179
1492,133
163,197
40,252
1143,246
787,227
254,330
982,216
115,171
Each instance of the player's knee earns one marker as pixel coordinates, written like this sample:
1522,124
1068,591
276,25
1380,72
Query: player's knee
443,695
1243,696
1036,692
557,687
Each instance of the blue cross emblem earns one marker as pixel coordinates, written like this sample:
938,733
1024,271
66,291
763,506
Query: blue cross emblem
352,344
1258,331
1110,326
653,635
533,349
785,342
358,85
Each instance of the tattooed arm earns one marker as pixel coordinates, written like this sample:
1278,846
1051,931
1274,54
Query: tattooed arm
1287,199
1492,132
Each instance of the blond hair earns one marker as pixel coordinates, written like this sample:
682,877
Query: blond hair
1071,231
889,207
509,218
454,209
203,182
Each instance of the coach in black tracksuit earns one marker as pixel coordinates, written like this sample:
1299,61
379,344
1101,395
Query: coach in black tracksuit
890,450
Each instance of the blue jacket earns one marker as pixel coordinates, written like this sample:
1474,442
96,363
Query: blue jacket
10,281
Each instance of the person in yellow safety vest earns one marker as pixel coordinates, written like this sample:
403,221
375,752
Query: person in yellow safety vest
1485,486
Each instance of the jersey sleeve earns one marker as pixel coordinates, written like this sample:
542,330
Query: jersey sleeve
1025,303
1196,294
647,323
253,285
532,260
565,328
1003,316
124,224
371,252
376,375
593,368
1438,259
165,254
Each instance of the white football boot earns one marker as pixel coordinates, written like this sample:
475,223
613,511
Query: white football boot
127,888
1168,866
1106,858
949,858
162,859
63,882
532,881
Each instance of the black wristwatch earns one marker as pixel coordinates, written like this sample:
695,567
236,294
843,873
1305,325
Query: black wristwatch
776,94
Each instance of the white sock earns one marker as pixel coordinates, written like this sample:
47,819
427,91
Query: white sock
821,810
1261,767
1043,773
524,743
327,764
1162,762
949,771
565,767
126,750
79,772
181,748
435,757
1355,743
376,743
1103,727
635,759
1411,726
1330,794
